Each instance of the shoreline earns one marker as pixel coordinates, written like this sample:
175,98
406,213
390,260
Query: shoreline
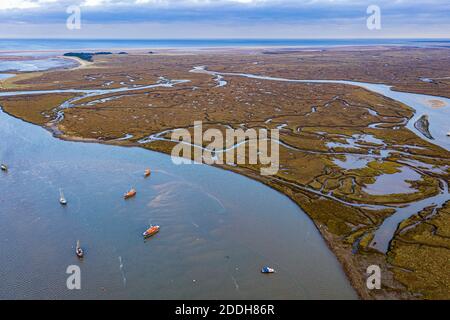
82,64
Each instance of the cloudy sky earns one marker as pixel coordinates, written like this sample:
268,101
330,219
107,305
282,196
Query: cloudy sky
224,18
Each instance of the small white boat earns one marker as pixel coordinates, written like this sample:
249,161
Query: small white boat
4,167
448,134
79,251
62,199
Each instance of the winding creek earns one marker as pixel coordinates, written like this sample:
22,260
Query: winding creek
218,228
421,103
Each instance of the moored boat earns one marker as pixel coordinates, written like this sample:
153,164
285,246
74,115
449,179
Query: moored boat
448,134
4,167
79,251
267,270
130,194
62,198
151,231
147,173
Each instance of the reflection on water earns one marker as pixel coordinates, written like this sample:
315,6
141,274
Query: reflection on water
218,228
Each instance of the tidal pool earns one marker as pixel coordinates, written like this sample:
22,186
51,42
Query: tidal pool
351,162
356,141
217,228
396,183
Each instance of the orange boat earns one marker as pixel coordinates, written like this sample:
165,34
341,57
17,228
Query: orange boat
130,194
151,231
147,173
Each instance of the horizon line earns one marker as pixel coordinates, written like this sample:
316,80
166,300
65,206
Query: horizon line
230,38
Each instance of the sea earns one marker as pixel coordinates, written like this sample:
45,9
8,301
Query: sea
92,44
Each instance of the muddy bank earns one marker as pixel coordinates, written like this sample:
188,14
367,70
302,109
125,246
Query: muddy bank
423,125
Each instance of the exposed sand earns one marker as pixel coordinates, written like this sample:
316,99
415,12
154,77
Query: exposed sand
436,104
82,64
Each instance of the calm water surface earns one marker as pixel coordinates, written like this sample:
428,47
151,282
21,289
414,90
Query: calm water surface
218,228
36,64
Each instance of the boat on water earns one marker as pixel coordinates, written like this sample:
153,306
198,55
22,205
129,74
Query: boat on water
147,173
151,231
267,270
448,134
62,198
130,193
79,251
4,167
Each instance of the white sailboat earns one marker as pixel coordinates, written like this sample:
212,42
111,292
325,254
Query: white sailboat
62,199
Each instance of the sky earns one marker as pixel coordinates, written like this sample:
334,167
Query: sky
155,19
